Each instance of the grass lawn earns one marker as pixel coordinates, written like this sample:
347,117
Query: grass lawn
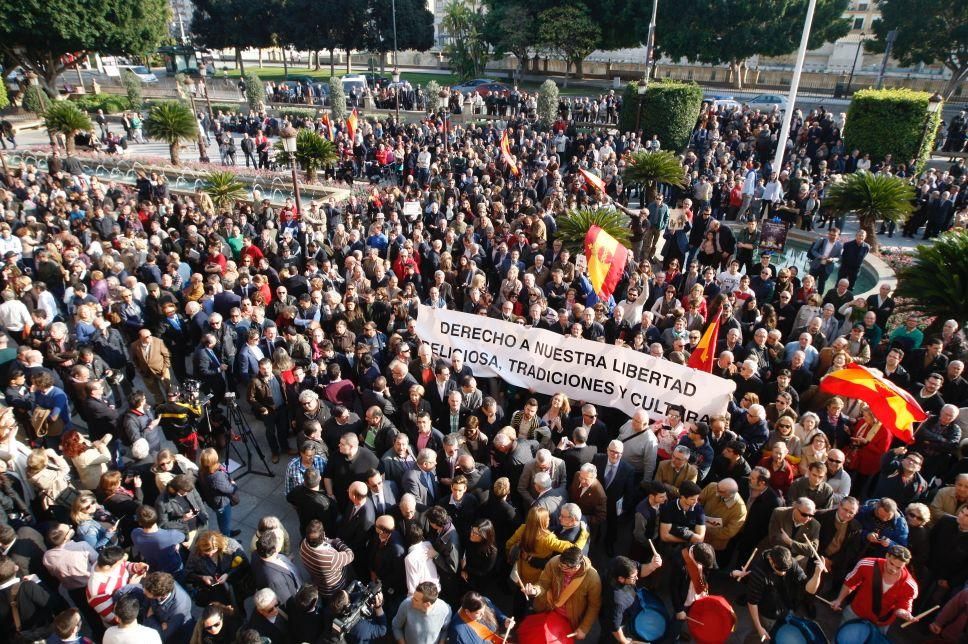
275,73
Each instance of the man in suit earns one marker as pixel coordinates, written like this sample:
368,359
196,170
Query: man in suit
882,304
356,526
852,257
509,456
760,504
153,361
170,607
248,357
454,417
675,471
792,527
823,254
274,570
36,607
575,452
173,331
383,494
546,496
618,479
312,503
378,433
438,390
543,462
597,432
421,482
267,620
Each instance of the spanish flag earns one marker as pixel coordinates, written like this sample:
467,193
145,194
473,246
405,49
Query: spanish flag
703,356
329,127
890,404
593,180
351,122
506,153
606,261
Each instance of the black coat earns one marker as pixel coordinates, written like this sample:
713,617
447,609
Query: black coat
313,504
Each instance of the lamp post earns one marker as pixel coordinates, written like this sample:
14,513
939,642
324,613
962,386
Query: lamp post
649,47
288,136
794,87
393,10
396,88
850,79
888,46
934,106
638,114
202,152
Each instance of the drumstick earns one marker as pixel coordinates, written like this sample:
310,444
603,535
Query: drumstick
750,560
831,604
918,618
571,635
654,551
694,620
507,631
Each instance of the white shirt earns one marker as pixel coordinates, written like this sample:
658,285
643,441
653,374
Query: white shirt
133,634
14,316
420,567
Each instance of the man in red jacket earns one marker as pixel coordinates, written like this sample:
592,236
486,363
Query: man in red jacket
885,589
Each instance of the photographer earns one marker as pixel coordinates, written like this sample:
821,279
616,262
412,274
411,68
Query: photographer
372,622
179,422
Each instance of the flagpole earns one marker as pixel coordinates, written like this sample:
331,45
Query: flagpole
794,88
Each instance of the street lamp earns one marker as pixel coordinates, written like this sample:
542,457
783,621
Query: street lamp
288,136
935,102
396,88
794,88
850,79
638,115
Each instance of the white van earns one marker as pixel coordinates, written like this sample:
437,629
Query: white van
144,74
352,82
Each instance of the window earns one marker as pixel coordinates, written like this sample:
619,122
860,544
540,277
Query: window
858,24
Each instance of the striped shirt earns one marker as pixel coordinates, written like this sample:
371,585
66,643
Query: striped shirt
326,564
101,588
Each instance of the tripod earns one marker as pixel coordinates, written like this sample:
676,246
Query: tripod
240,428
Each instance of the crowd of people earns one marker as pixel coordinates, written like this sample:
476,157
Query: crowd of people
468,500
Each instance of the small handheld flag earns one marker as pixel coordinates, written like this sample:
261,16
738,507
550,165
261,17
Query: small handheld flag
703,357
606,261
593,180
506,154
351,123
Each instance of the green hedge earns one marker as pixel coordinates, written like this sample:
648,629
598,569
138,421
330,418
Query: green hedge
891,121
4,99
293,113
110,103
669,109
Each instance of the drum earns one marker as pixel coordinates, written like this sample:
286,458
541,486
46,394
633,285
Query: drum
717,620
860,631
791,629
651,622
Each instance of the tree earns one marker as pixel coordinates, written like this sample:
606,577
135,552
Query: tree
255,92
432,93
936,283
171,122
872,197
37,35
415,26
731,31
892,121
132,88
652,168
65,118
224,188
337,99
928,32
467,47
570,32
313,152
35,100
315,29
234,24
510,29
573,226
547,102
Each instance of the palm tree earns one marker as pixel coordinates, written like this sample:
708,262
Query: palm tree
63,117
573,226
224,188
872,197
652,168
172,122
313,152
936,283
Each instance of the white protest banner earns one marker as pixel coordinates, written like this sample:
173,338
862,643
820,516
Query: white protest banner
592,372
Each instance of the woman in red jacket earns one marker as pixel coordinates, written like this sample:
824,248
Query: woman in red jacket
869,441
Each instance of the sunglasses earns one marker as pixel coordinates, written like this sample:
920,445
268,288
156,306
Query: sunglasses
805,514
830,460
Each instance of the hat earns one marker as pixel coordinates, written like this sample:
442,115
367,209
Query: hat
858,325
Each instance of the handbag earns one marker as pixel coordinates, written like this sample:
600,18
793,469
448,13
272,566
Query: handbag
43,425
234,498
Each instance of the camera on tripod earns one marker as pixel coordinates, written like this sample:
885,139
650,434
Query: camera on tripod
191,393
361,605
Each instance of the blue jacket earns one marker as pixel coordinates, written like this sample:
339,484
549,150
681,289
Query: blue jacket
896,530
175,614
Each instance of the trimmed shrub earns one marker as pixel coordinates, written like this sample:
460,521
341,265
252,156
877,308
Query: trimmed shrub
630,107
891,121
4,99
255,92
35,99
110,103
132,88
434,102
670,110
548,102
337,99
297,113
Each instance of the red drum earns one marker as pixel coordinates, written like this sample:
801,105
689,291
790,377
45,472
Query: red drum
718,620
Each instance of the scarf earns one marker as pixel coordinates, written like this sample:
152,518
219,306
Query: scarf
695,573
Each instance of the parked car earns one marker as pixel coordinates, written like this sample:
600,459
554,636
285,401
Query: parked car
144,74
767,102
375,81
471,85
723,103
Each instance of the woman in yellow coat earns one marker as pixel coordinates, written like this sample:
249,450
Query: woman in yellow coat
535,542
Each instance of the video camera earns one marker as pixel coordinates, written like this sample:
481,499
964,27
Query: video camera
191,393
360,606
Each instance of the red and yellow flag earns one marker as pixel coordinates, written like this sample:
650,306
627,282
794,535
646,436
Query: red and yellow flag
890,404
593,180
351,122
606,261
506,153
703,356
329,127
